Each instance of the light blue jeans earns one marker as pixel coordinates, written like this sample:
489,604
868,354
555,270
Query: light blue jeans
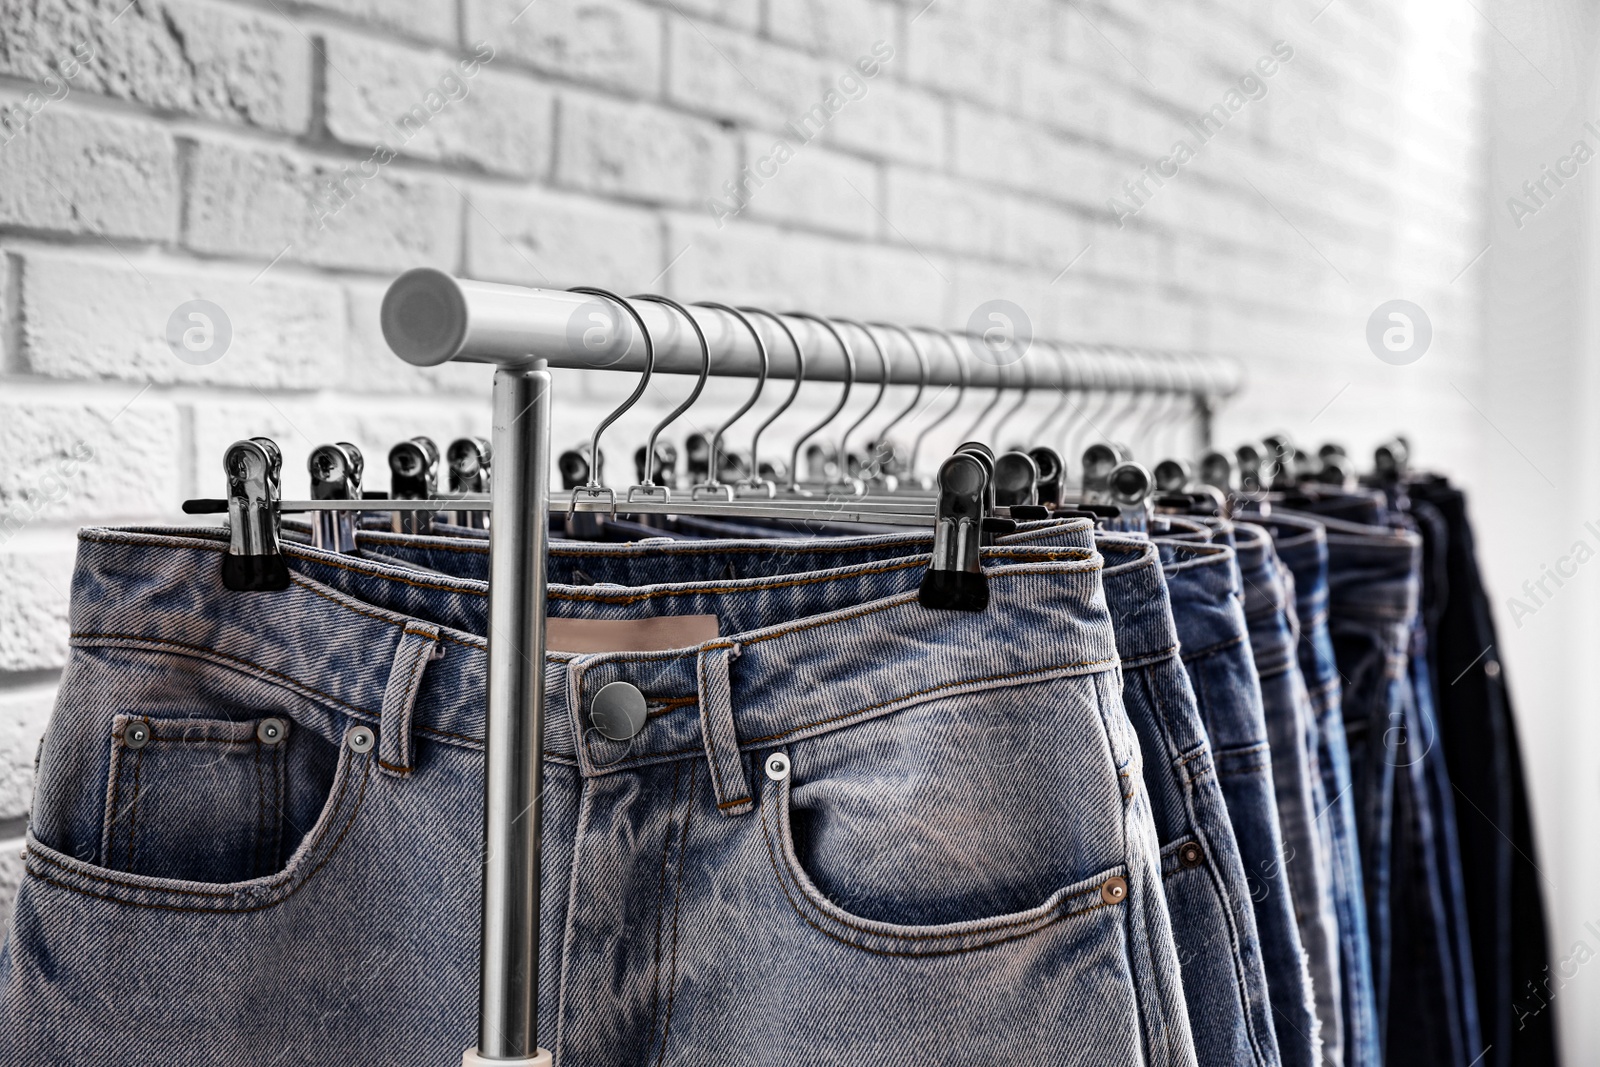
957,860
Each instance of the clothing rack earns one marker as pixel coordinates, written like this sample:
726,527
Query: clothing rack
430,318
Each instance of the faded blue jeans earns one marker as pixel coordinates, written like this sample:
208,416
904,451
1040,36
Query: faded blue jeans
257,825
1207,605
1207,894
1373,593
1292,731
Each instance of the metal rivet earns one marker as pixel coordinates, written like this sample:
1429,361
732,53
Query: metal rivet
271,731
617,711
135,735
1191,855
1114,890
777,766
1492,669
359,738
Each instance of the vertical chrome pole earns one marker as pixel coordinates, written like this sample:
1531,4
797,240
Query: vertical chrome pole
518,544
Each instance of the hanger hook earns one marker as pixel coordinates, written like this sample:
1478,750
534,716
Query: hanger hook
1038,433
961,391
799,380
922,379
761,384
844,397
638,390
705,372
883,387
983,415
1027,390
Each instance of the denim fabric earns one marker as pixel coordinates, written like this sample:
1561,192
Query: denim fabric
1432,987
923,859
1302,546
1292,734
1207,606
1373,576
1207,894
1504,898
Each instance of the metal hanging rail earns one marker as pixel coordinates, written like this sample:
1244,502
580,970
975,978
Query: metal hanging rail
430,317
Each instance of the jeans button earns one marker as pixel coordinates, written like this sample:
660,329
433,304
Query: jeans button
271,731
1114,890
777,766
136,735
360,739
618,711
1191,855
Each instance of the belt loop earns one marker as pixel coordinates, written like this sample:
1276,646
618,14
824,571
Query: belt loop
418,644
728,778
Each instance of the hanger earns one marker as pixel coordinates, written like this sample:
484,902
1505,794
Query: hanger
882,448
844,397
757,485
688,402
592,483
469,460
413,475
761,384
961,392
847,478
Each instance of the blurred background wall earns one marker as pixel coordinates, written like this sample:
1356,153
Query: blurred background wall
283,161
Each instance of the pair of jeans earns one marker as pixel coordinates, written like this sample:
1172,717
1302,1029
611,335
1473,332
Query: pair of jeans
1302,546
1207,894
1373,575
311,881
1504,900
1292,733
1207,606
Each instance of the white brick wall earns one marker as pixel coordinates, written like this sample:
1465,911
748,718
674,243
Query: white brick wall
193,154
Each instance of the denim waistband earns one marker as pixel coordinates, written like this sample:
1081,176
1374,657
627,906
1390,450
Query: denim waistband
635,563
1178,528
1258,570
1136,592
1203,586
852,643
1374,572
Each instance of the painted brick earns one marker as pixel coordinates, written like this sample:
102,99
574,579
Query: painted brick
90,174
844,28
746,14
936,211
994,147
24,714
218,62
614,43
894,122
816,188
427,19
260,203
101,317
427,105
641,152
730,74
66,461
33,613
557,240
963,55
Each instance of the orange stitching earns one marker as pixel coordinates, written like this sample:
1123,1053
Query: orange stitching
710,732
726,804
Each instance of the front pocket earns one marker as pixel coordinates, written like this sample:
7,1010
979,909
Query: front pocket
207,800
1103,892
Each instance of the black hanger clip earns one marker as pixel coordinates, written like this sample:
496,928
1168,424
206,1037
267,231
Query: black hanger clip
335,475
254,561
1130,487
413,475
470,459
955,579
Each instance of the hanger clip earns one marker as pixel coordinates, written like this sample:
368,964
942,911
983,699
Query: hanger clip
955,580
335,475
254,561
1130,486
470,459
413,475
